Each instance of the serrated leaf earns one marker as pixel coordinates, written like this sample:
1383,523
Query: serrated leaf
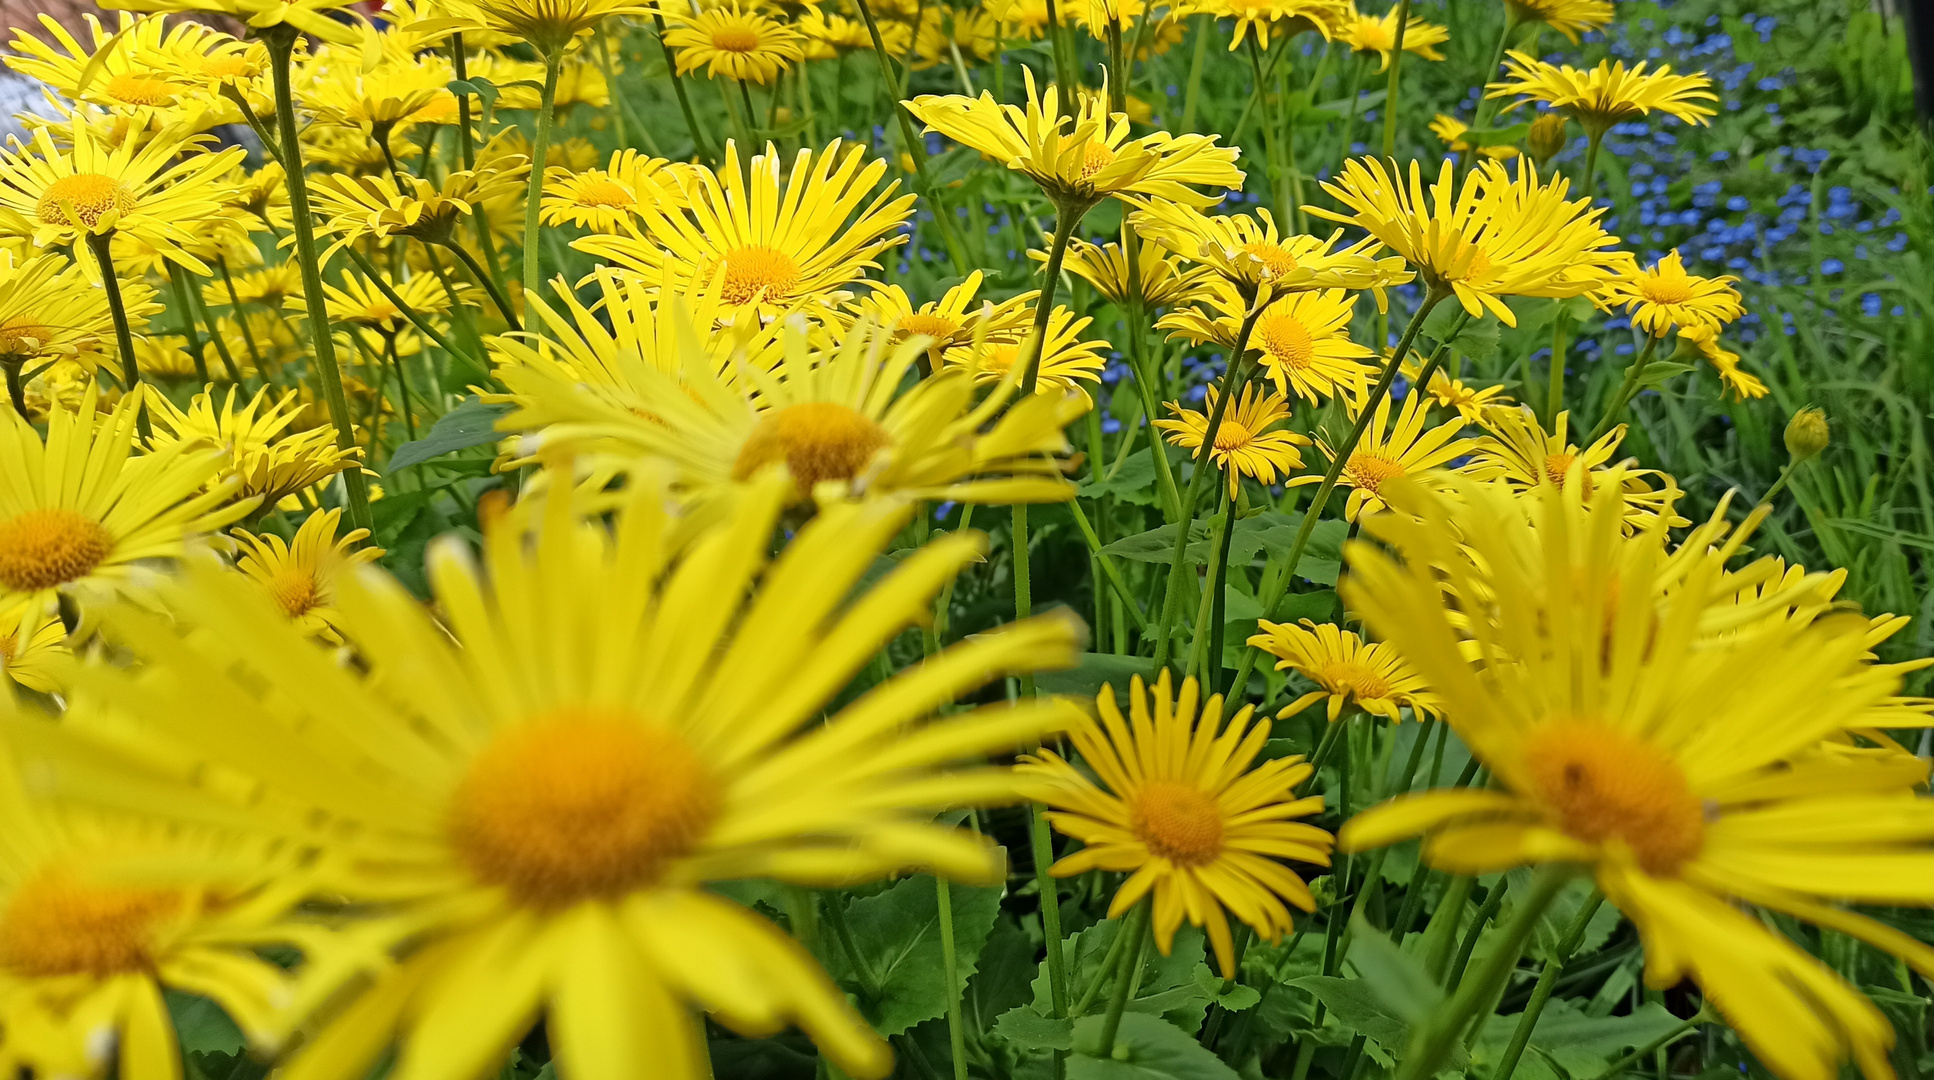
1579,1044
1146,1048
1135,483
1029,1030
897,933
1353,1006
1235,999
471,423
1399,980
202,1026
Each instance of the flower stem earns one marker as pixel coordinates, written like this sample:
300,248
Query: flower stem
196,350
362,263
1041,842
1555,395
540,148
1212,665
1064,72
1131,962
281,40
477,271
1066,220
699,145
1590,180
1547,980
16,387
1437,1034
1203,24
192,301
402,384
915,148
1393,86
1626,390
241,320
956,1034
102,245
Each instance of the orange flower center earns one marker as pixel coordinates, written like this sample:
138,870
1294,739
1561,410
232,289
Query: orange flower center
1368,470
1605,785
1287,341
756,272
296,591
88,195
22,336
1665,290
1179,822
1557,465
736,38
51,546
817,440
56,925
604,192
938,327
1275,260
1232,435
580,805
1479,270
130,88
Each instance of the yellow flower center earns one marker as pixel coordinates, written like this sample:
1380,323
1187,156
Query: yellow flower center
1177,821
378,312
1287,340
1479,269
130,88
736,37
50,546
1368,470
88,195
1605,785
1232,435
1350,677
1557,465
756,272
581,805
22,336
1275,260
56,925
1095,158
227,66
817,440
9,648
938,327
601,191
1372,37
1665,290
295,591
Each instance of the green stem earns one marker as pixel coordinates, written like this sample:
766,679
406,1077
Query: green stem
1137,931
1066,220
1592,140
1203,25
1438,1034
1064,72
102,245
1626,390
1485,913
611,83
1108,568
1147,376
1547,980
1041,842
241,320
697,133
1357,64
193,301
1487,106
460,67
540,148
376,278
1212,665
1393,87
956,1034
1655,1046
402,384
16,388
483,277
281,40
197,351
1786,474
1555,395
915,148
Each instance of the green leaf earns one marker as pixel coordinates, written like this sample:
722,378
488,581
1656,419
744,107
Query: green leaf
1659,372
1235,999
1085,679
1158,545
1167,987
1029,1030
202,1026
1135,483
897,933
1504,136
483,88
1578,1044
1146,1048
471,423
1356,1007
1477,338
1399,980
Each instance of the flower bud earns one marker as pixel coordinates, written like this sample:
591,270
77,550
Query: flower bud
1546,137
1807,434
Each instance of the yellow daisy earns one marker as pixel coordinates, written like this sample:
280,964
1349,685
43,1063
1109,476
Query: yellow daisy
604,200
1686,778
1260,262
65,527
1605,95
455,778
144,76
1302,339
403,88
1378,34
33,647
1500,236
1450,129
1664,297
1164,280
355,207
1388,451
1026,20
830,36
158,189
1244,444
1284,18
777,243
322,19
359,302
269,286
263,460
49,310
1516,449
1568,17
1703,342
1077,151
301,576
1471,402
1180,811
732,41
551,26
1066,360
1346,670
953,320
945,31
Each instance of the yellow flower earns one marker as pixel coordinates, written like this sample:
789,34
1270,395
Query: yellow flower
152,72
164,356
1079,152
33,647
1517,450
839,416
606,200
1302,339
70,528
359,302
1664,297
1284,18
953,320
580,81
1450,129
734,42
323,19
1346,670
1688,778
1067,359
1470,402
830,36
354,207
1165,281
1259,261
453,779
776,243
1244,444
551,26
301,576
264,460
157,189
1807,434
1378,34
49,310
1500,236
1605,95
1704,342
1023,19
1180,811
1568,17
1098,15
269,286
946,30
402,89
1388,452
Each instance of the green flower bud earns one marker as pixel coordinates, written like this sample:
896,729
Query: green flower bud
1807,434
1546,137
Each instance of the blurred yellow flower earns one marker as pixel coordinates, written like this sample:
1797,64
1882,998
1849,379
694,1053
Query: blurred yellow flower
265,461
734,42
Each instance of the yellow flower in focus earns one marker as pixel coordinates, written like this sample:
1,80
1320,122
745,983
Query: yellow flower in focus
1302,340
1605,95
1388,452
1378,34
1067,359
1516,450
1568,17
300,576
1471,403
49,310
777,242
1244,444
1347,671
606,200
1260,262
151,73
1179,810
1664,297
1164,280
1079,152
953,320
733,42
265,459
1703,341
1684,773
1451,130
1500,236
456,790
158,189
33,647
79,510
